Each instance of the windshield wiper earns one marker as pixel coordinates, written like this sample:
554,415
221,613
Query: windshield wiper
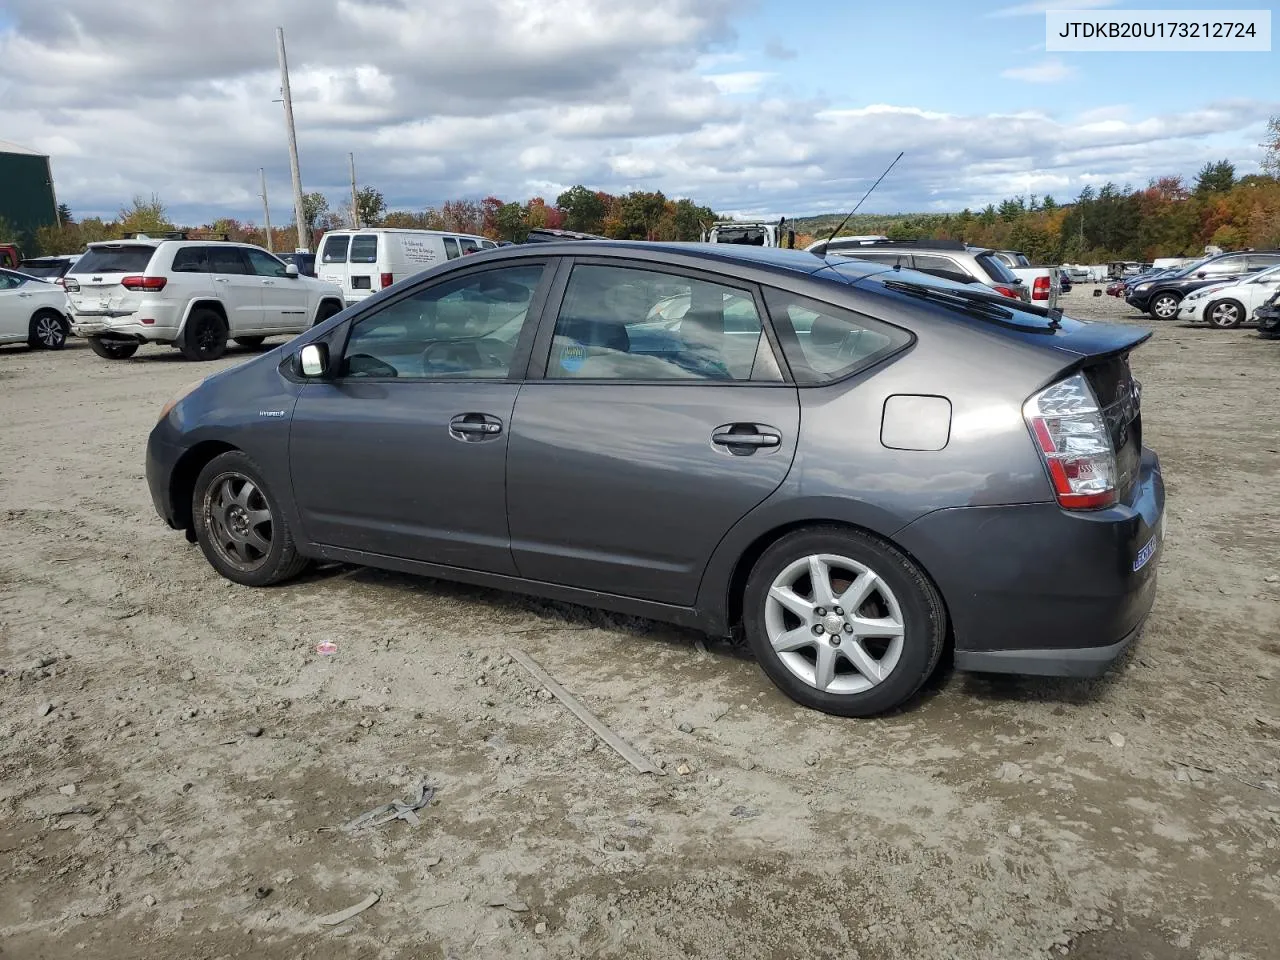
988,306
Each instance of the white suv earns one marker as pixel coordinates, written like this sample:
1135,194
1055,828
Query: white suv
193,294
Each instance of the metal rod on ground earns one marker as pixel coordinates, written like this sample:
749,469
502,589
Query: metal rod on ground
304,242
266,209
355,202
624,749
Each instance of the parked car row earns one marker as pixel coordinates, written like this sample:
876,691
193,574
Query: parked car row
1161,295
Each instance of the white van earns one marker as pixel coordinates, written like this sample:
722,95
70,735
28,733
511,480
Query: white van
364,261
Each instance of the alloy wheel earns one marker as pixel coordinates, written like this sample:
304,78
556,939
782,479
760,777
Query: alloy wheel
1225,315
1165,307
239,521
834,623
49,332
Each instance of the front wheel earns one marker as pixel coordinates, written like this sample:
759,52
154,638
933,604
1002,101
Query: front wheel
843,622
1225,314
113,349
1164,307
325,311
239,525
48,331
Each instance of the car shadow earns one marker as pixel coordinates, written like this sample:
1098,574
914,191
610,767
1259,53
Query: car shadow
173,355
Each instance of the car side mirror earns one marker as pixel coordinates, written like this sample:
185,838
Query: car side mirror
314,360
1199,274
290,269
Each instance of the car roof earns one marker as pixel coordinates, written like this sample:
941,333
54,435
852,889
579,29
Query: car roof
721,254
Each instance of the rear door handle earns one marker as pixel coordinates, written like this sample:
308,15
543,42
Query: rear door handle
221,280
473,427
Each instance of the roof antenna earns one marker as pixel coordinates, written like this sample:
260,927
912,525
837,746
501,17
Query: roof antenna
863,200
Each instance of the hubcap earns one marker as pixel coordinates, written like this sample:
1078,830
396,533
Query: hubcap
48,331
1224,315
834,624
239,521
1165,307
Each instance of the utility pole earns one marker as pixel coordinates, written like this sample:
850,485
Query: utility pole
266,209
304,242
355,201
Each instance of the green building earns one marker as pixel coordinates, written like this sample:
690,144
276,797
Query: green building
26,193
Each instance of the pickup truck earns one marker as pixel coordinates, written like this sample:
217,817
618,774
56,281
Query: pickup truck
10,256
752,233
1045,283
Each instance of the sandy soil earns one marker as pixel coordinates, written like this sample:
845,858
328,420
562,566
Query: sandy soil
213,753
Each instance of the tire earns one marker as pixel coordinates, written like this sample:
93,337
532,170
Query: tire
253,343
325,311
1224,314
1164,306
239,525
898,598
48,331
113,349
204,337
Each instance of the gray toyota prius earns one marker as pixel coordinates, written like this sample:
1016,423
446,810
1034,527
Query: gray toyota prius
848,464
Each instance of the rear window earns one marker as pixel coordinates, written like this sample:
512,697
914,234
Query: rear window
995,268
126,258
43,268
364,248
335,249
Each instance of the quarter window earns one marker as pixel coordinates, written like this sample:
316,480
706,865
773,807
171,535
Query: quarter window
823,342
335,249
622,323
466,328
943,267
191,260
451,248
264,264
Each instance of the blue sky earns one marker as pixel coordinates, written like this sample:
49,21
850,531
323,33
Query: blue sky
751,107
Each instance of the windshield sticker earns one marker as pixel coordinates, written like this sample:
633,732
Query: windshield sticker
572,357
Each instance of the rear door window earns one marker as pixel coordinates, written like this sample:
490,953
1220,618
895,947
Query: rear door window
1225,266
191,260
10,282
451,248
888,259
364,248
823,342
335,249
1263,261
227,260
625,323
125,258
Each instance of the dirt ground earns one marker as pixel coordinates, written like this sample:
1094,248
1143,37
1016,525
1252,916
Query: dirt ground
176,757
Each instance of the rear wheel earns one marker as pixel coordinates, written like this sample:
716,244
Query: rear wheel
1164,306
253,343
48,331
1225,314
113,349
239,525
204,337
843,622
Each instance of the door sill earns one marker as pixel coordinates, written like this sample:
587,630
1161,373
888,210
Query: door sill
665,612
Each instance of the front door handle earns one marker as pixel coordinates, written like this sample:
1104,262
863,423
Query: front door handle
745,438
473,427
221,280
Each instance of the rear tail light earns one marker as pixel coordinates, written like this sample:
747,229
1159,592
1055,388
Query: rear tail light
1072,435
144,283
1040,288
387,280
1008,292
71,286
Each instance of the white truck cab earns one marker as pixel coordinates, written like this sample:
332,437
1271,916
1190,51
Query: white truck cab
370,259
754,233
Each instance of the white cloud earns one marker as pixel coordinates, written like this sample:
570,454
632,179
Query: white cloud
519,98
1052,70
1044,6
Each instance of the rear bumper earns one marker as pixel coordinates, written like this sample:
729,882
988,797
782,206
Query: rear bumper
163,323
1032,588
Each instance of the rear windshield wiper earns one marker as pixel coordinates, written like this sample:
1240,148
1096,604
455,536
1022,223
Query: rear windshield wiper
987,306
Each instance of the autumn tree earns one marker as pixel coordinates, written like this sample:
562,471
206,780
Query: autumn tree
370,206
145,216
314,207
584,210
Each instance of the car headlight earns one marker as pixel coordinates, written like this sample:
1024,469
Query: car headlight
177,397
1142,286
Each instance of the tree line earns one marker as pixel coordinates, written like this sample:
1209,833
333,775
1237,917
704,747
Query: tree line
639,215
